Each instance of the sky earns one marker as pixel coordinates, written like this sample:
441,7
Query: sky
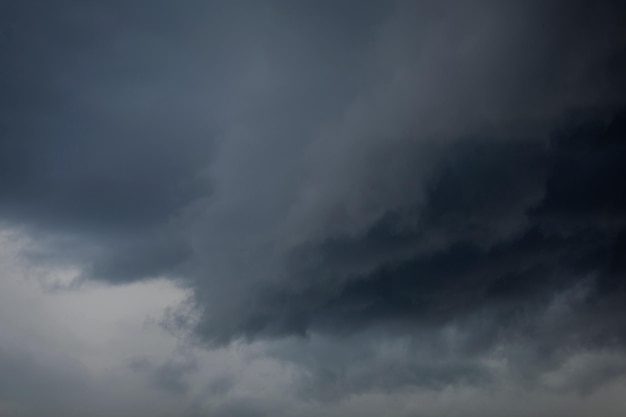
312,208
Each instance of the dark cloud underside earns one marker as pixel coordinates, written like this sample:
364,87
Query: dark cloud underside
354,170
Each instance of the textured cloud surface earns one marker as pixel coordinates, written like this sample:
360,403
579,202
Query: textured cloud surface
369,206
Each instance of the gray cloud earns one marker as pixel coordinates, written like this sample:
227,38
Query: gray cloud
169,376
399,203
323,177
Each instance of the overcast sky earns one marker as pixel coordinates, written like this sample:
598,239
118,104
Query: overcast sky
312,208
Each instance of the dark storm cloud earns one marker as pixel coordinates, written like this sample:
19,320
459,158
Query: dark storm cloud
332,169
474,183
104,134
532,290
110,114
489,234
431,198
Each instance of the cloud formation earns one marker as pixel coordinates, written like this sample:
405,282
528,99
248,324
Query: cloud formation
381,196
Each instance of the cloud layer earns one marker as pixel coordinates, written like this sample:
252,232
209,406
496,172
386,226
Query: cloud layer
379,197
